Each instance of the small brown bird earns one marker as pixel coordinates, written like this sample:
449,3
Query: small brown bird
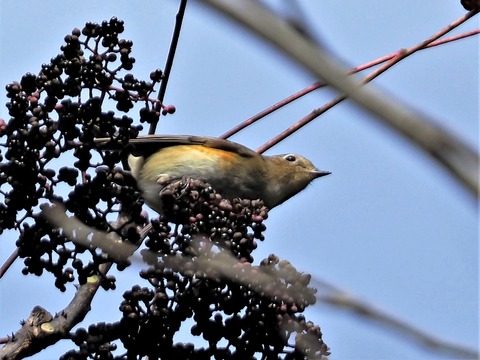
232,169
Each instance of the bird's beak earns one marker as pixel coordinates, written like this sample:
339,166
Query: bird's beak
320,173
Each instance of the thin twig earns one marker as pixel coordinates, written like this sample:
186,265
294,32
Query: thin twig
461,161
319,84
10,260
272,108
169,63
392,59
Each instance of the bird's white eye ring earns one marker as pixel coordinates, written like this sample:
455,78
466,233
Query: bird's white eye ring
290,158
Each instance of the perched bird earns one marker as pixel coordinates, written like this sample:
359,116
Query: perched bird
232,169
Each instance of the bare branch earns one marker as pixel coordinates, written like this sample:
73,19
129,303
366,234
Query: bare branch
42,329
342,300
459,159
224,265
319,84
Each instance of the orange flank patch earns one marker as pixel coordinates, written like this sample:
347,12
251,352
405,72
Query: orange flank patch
190,159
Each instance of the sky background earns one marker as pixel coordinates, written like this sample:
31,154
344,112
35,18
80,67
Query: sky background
388,225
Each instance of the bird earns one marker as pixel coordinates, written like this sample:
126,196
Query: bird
232,169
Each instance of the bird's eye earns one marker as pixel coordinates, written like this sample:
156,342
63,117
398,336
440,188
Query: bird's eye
290,158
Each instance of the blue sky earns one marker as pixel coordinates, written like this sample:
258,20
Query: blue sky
388,225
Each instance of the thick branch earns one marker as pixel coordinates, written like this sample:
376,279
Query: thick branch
41,329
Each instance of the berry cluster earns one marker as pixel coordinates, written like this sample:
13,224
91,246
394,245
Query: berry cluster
237,320
236,317
199,252
48,147
470,4
202,270
202,214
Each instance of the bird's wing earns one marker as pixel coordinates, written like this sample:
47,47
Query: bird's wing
148,144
